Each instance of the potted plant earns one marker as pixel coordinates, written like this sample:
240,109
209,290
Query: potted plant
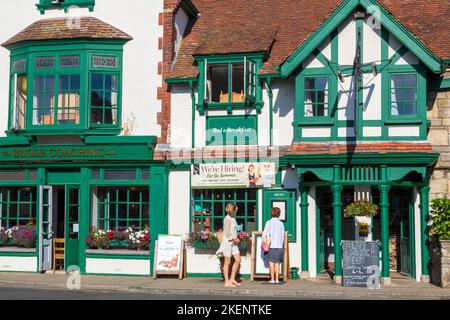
362,211
440,242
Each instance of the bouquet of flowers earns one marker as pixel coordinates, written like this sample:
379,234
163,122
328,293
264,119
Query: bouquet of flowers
99,238
139,240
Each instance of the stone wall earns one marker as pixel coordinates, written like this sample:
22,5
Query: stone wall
440,263
439,136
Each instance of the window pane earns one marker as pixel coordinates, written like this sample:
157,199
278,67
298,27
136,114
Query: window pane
38,84
316,97
238,83
49,83
75,82
403,95
97,115
63,83
97,98
97,81
218,77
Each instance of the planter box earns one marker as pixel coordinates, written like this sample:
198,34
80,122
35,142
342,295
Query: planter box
118,252
440,263
214,246
17,250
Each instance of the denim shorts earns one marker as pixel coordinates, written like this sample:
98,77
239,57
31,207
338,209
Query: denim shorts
275,255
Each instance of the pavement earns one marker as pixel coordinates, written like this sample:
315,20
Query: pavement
320,288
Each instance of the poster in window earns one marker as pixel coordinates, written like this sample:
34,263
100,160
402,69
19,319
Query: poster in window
282,206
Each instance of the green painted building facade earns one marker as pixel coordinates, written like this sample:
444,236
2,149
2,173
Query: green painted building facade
64,170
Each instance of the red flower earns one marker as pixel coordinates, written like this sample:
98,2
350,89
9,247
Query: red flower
92,228
27,235
110,234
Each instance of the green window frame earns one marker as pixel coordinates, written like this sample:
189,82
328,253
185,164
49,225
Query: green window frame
17,206
403,88
118,208
237,85
209,208
104,98
73,207
316,92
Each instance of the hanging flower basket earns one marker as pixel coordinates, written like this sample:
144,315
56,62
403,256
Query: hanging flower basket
362,208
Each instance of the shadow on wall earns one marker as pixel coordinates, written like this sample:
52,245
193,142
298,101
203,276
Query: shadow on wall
284,101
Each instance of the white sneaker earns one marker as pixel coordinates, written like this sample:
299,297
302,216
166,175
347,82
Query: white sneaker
271,282
277,282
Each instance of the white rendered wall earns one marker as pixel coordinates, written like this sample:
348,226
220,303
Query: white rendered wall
118,266
18,264
312,234
138,18
417,234
181,115
179,202
283,111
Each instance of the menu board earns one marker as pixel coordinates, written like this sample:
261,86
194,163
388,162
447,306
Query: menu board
360,264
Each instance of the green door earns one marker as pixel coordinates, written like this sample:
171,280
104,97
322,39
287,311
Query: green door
72,226
285,200
407,235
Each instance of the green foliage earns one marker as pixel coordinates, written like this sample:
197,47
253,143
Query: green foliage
362,208
440,212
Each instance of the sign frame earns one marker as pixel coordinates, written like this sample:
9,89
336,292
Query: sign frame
254,258
181,270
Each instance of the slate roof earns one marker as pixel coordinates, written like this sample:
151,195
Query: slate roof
62,28
281,26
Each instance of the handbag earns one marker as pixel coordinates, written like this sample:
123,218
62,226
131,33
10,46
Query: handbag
265,245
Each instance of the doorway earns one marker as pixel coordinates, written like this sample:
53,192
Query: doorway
401,231
59,217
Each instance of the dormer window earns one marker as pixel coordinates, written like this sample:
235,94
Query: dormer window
222,78
229,82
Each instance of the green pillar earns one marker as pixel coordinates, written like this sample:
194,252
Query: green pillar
384,208
85,218
337,217
424,212
304,218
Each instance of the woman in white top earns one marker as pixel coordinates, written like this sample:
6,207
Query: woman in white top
229,246
274,230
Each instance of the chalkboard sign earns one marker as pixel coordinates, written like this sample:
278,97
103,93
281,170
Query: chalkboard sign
360,267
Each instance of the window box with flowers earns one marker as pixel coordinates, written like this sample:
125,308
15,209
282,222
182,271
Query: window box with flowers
131,241
210,240
19,238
